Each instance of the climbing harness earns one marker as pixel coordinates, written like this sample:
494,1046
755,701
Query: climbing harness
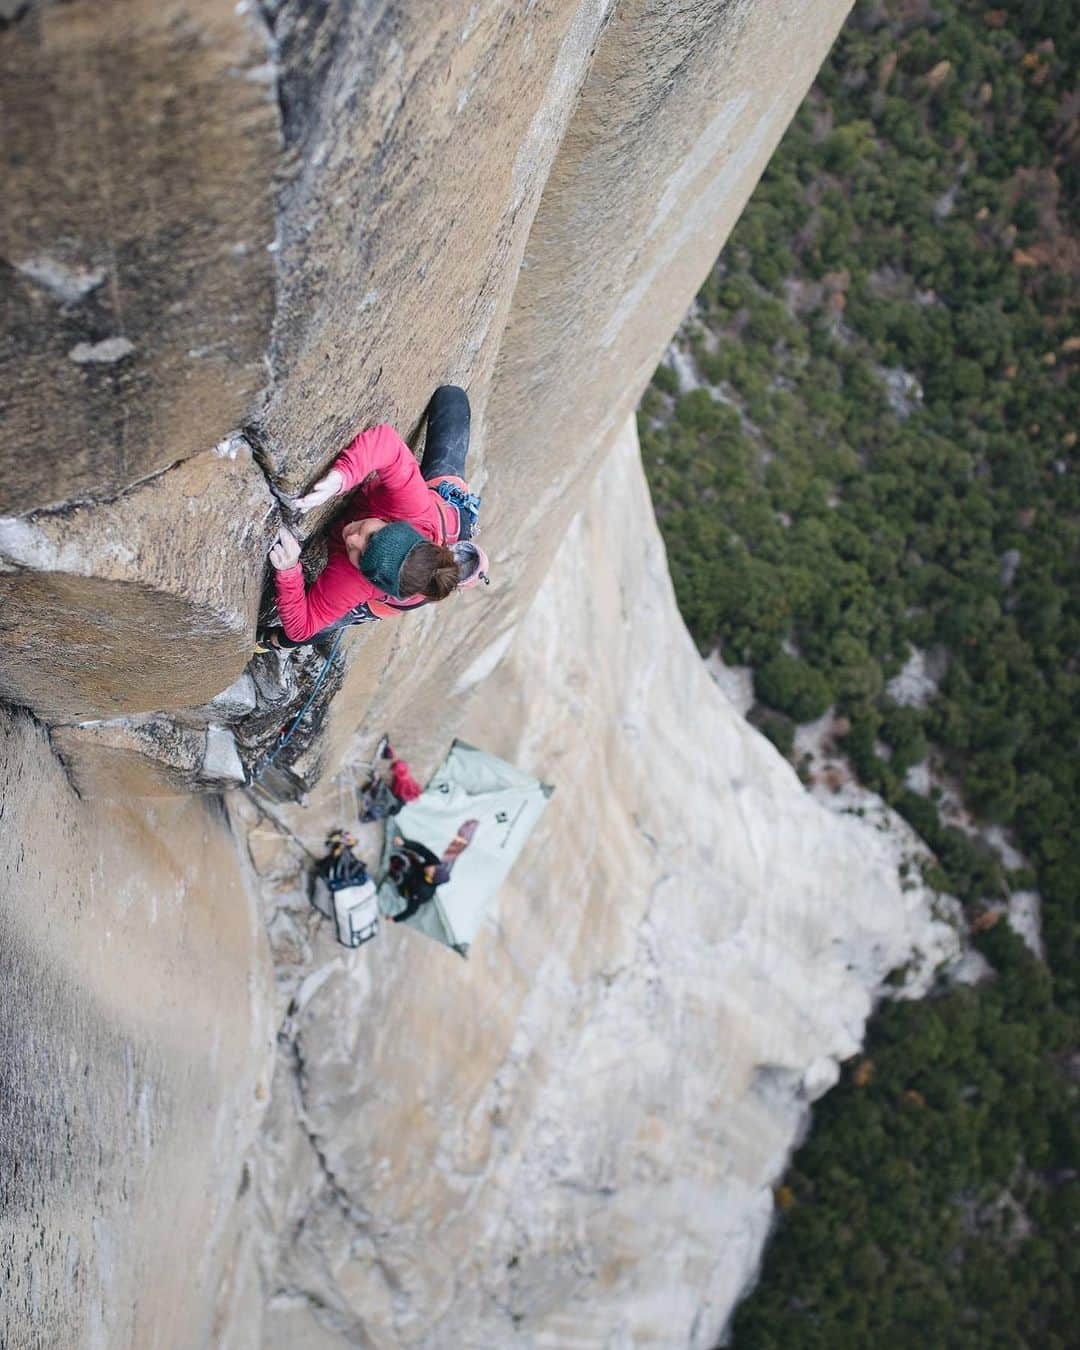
467,504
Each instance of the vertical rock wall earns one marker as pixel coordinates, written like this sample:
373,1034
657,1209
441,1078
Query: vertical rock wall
680,112
134,1043
140,140
420,137
413,148
571,1138
140,602
423,149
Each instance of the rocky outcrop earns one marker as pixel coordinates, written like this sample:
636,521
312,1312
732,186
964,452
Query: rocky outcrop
148,757
136,287
142,602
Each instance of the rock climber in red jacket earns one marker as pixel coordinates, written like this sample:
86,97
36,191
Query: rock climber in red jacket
404,539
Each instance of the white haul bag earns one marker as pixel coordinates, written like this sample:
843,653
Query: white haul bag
353,908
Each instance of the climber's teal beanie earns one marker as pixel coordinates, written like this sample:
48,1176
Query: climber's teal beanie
381,562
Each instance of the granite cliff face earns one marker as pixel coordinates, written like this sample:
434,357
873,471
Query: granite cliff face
234,234
571,1139
137,1050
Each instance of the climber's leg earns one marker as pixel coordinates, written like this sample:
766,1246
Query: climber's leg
277,638
447,441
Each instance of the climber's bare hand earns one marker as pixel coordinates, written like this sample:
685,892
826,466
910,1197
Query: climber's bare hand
328,486
285,550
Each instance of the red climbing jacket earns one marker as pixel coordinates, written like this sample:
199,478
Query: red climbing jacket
380,470
402,784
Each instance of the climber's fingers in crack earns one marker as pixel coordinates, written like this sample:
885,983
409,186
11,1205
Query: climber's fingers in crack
285,550
327,487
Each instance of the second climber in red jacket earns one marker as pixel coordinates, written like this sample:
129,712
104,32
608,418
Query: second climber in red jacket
404,539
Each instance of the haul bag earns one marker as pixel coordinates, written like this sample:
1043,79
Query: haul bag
352,907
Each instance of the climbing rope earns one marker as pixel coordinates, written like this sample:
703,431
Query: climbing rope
277,822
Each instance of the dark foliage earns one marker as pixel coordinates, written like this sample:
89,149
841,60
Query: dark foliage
936,1201
883,456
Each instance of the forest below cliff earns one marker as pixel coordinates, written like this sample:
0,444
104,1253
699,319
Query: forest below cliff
864,448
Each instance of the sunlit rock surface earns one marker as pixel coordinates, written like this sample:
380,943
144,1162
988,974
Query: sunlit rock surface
570,1139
